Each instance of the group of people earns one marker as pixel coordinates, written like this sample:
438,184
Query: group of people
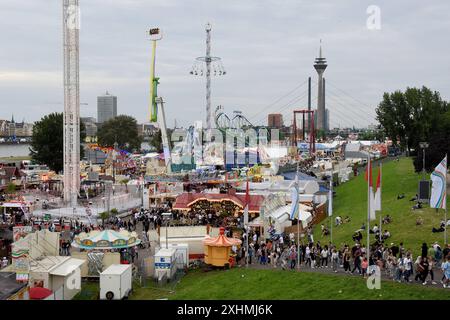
394,261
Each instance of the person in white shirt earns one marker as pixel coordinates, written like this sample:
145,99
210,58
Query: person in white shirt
324,257
292,237
407,263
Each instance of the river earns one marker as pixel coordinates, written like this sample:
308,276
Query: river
14,150
22,150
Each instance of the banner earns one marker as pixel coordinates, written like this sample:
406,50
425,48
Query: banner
295,203
439,185
21,232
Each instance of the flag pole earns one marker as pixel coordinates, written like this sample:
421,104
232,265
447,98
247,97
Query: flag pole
298,225
369,178
445,203
381,215
331,208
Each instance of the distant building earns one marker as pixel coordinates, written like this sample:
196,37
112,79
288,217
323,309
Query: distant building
275,120
106,107
15,129
91,127
146,129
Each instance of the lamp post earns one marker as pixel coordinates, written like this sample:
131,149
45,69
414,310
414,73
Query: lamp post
423,145
167,216
114,161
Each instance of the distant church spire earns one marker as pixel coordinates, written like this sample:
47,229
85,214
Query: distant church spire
12,118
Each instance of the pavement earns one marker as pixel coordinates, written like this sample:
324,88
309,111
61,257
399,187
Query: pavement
384,276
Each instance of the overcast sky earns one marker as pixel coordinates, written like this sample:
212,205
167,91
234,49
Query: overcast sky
267,47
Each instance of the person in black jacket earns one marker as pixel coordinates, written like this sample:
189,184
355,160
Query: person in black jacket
424,250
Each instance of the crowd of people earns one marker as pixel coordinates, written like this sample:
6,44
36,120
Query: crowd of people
394,261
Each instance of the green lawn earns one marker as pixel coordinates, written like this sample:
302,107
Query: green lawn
398,177
249,284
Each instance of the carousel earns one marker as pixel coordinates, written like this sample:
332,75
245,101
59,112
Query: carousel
106,240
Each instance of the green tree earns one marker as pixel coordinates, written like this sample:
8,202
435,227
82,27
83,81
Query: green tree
121,130
411,116
47,141
104,216
11,188
156,140
125,183
439,145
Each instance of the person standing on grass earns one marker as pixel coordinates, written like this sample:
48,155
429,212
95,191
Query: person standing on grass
324,257
335,260
364,266
419,268
407,262
357,260
293,257
308,256
425,269
346,259
251,251
430,269
446,270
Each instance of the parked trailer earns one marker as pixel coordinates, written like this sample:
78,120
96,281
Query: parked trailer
116,282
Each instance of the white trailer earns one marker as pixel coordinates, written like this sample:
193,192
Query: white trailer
181,254
116,282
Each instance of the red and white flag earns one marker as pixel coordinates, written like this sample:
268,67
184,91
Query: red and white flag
371,203
377,198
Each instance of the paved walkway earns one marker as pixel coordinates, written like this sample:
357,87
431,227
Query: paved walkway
437,273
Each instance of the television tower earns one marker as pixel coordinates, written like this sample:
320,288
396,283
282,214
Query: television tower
71,28
320,64
213,64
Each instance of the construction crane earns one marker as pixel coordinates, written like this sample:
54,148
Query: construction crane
157,113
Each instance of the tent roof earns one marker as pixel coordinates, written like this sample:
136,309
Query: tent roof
221,240
67,267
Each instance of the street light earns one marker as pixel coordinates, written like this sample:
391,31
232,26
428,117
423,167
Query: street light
166,217
423,145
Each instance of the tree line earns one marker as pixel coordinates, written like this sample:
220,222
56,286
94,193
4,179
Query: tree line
413,116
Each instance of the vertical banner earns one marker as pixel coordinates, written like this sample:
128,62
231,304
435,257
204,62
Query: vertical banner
439,184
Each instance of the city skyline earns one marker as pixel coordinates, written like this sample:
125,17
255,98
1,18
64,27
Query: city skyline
115,56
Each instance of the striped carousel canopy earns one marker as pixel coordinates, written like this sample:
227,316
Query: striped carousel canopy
106,239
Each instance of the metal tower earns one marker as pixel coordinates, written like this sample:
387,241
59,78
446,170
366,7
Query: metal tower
213,64
71,27
320,64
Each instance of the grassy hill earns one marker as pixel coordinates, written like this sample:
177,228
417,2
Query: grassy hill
246,284
257,284
398,177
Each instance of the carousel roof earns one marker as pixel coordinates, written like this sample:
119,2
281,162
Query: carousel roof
221,240
106,239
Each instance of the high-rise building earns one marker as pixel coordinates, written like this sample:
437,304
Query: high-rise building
106,107
320,65
275,120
